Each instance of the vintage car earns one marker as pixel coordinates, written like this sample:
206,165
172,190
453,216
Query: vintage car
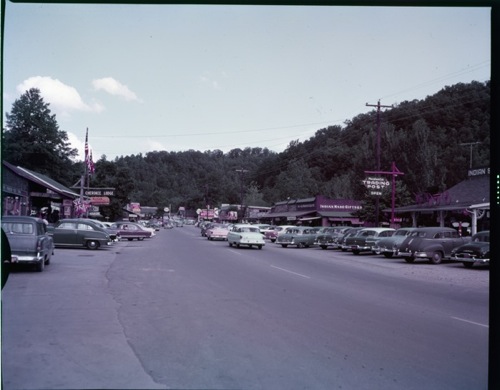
365,240
217,232
477,251
432,243
327,237
389,246
79,232
132,230
299,236
341,244
29,241
113,233
246,235
272,234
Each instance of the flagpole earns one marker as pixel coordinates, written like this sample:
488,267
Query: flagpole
84,174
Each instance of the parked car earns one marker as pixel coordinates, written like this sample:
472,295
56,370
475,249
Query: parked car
132,230
432,243
79,232
300,236
113,232
327,236
29,241
348,233
477,251
364,241
272,234
389,246
217,232
247,235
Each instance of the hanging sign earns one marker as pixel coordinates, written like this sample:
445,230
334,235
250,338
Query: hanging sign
376,185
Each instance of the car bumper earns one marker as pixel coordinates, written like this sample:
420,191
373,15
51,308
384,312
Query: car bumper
421,255
361,248
470,259
28,259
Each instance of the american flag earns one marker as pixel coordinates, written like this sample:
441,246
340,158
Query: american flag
88,154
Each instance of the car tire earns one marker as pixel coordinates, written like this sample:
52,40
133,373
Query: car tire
467,264
410,259
355,252
323,246
273,240
259,246
40,266
92,244
284,245
436,258
230,243
388,255
130,239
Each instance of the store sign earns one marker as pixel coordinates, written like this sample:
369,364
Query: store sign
99,192
376,185
99,200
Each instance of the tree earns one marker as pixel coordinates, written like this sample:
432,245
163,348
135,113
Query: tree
32,139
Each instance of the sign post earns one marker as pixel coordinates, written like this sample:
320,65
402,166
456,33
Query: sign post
394,172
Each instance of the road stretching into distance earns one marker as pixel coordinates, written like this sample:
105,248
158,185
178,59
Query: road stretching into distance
180,312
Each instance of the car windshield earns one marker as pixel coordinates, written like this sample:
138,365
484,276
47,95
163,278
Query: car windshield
249,229
481,238
419,234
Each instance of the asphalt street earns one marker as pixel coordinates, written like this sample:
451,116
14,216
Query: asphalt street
181,312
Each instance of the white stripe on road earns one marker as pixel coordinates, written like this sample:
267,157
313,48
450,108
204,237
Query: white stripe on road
295,273
470,322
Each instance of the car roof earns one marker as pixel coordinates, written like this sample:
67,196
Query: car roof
377,229
20,218
435,229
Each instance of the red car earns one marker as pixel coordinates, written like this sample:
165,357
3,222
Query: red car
131,230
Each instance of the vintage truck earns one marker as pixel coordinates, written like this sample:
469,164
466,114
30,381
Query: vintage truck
29,241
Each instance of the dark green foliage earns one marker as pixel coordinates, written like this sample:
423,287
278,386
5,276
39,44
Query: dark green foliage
32,139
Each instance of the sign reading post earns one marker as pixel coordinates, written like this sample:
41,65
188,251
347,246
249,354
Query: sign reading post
376,185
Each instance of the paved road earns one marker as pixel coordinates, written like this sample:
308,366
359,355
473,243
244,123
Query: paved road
179,311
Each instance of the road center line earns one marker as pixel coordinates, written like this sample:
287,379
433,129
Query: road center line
295,273
470,322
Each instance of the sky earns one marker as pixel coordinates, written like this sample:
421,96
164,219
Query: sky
145,78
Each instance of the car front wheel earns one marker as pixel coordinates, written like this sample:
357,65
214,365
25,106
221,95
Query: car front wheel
409,259
91,244
436,258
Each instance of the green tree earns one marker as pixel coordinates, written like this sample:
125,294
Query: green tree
32,139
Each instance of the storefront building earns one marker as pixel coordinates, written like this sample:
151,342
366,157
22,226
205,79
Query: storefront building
316,211
465,206
25,192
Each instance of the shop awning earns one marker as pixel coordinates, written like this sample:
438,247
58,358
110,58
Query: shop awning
290,214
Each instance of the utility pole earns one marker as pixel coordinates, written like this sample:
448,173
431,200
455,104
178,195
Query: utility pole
379,106
471,144
241,172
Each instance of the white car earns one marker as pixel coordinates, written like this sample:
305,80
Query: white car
247,235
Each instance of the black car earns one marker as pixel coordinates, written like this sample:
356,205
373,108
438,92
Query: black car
475,252
432,243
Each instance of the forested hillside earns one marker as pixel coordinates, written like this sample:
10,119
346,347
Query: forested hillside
425,138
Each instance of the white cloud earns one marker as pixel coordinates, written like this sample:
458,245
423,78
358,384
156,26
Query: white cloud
62,98
79,144
206,78
153,146
114,87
